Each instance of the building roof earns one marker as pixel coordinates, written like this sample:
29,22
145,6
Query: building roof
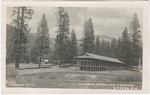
44,57
98,57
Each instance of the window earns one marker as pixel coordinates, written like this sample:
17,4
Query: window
88,62
81,62
85,62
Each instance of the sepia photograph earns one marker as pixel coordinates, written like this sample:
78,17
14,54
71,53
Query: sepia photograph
74,47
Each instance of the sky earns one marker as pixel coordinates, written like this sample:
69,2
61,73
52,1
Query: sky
106,21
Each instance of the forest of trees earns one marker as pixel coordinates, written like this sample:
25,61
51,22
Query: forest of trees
127,48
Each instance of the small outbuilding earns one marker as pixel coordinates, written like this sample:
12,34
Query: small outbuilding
93,62
44,59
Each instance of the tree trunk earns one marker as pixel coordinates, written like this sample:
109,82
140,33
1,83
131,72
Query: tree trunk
17,65
59,63
40,63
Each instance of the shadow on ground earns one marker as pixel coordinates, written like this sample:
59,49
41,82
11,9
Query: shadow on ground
33,68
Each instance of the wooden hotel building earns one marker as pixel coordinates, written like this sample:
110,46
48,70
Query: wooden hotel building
92,62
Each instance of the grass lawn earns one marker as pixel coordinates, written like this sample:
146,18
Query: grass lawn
56,77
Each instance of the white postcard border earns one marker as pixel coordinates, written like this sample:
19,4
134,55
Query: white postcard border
110,4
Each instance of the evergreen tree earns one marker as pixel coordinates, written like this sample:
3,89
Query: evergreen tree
62,38
73,43
108,49
88,37
126,47
34,55
97,46
136,39
20,22
103,47
119,49
69,56
114,48
10,38
42,46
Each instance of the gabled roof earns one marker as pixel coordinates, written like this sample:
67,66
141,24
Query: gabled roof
98,57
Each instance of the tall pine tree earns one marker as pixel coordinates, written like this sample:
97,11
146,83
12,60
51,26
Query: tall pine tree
114,48
119,49
73,45
136,39
42,46
62,38
126,48
108,49
88,37
103,47
97,46
20,22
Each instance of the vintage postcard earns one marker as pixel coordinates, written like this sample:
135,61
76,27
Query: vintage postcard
75,47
